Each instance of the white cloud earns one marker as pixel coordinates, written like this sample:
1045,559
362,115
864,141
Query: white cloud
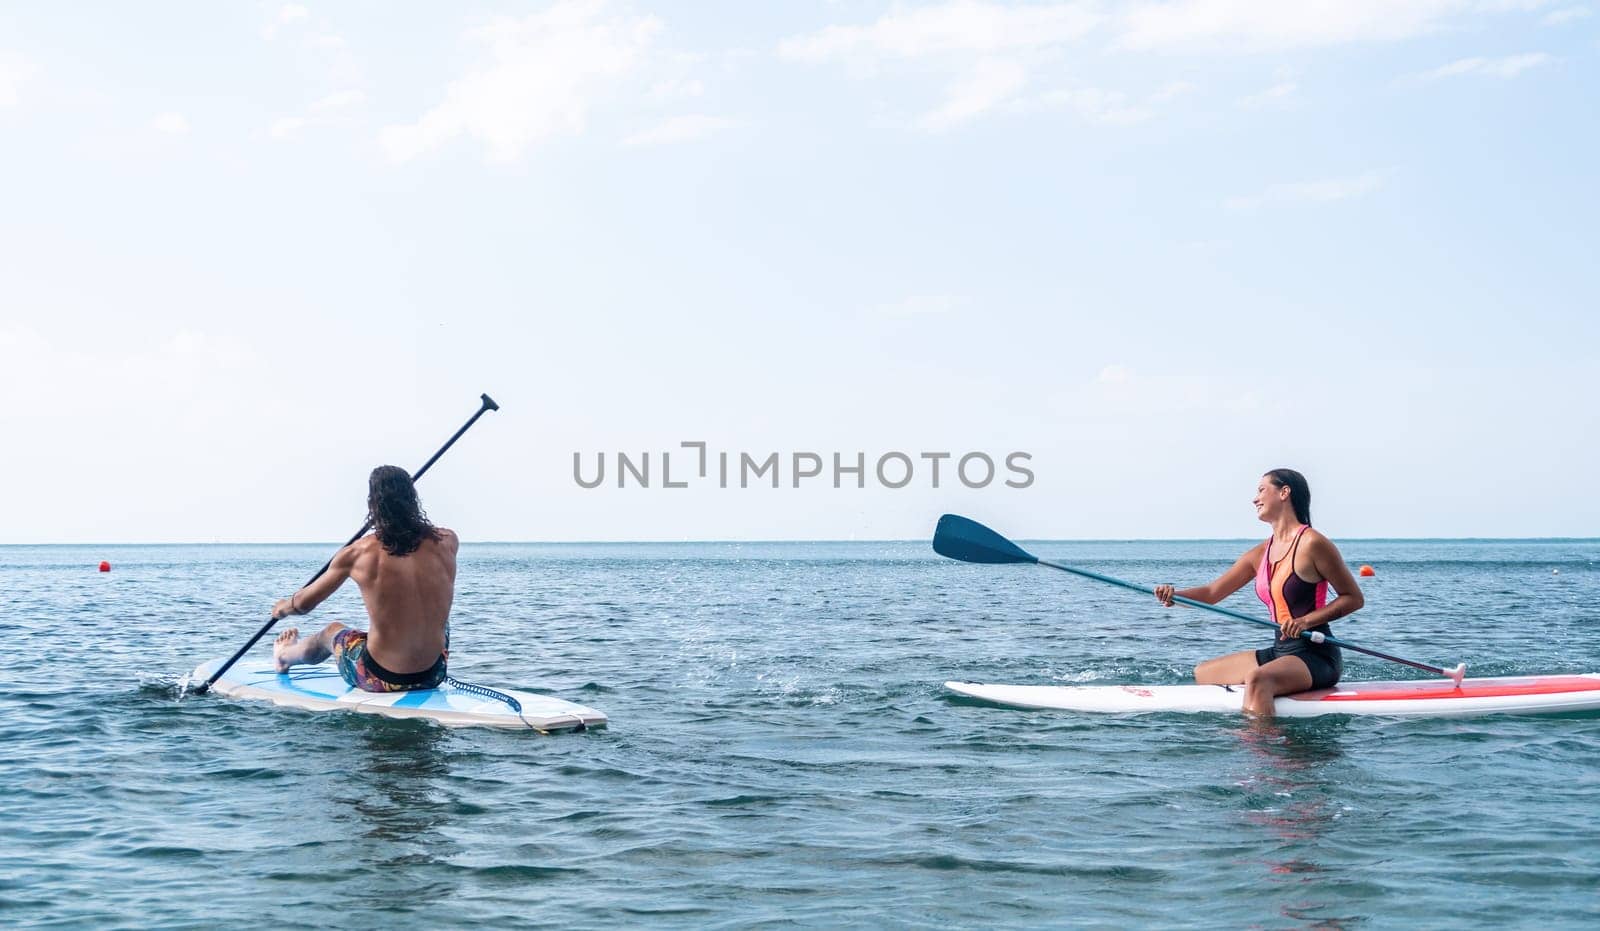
1514,65
990,83
1095,105
172,124
538,79
186,343
679,129
1172,92
1508,67
333,58
991,52
1459,66
1109,107
675,90
339,101
1275,95
15,71
1114,375
1566,15
285,127
1274,24
956,26
290,15
320,49
1309,192
325,111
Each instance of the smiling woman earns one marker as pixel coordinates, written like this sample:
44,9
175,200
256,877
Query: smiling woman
1292,571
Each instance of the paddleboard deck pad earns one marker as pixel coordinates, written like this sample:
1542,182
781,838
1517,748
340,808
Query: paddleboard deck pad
320,688
1435,698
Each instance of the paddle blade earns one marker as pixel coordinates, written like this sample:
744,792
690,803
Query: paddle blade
969,541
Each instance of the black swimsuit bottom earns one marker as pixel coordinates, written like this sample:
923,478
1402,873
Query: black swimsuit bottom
428,678
1324,660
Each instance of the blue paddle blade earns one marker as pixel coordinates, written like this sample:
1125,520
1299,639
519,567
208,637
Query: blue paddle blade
969,541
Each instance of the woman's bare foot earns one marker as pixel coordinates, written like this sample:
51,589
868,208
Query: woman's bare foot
286,643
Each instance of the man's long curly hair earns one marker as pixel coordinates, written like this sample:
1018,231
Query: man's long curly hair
396,514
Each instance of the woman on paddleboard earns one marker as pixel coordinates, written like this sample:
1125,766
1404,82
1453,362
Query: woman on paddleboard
1292,571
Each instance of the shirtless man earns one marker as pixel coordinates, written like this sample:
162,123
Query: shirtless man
406,569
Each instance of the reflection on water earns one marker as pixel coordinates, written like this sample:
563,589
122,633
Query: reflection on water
398,768
390,796
1292,797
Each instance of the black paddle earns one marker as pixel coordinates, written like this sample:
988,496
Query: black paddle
488,405
969,541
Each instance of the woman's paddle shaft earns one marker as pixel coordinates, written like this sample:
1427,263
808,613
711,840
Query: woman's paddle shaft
487,406
969,541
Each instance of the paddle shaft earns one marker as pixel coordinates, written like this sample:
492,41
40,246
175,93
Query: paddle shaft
1238,615
487,406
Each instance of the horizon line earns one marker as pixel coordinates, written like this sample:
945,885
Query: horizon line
658,542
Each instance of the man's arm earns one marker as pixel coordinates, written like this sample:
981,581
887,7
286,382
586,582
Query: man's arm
304,600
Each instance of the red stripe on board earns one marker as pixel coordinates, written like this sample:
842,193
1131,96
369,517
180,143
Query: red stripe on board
1481,688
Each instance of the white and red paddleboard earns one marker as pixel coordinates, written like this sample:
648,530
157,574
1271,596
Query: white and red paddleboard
1442,698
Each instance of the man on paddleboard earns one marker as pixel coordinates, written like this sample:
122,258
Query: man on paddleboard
1292,571
406,569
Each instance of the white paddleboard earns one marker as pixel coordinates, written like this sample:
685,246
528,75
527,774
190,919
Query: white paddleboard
320,688
1443,698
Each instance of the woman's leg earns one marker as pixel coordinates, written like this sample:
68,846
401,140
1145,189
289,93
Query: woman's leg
1232,669
1285,675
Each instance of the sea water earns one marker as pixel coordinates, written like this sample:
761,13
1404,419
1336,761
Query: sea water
781,750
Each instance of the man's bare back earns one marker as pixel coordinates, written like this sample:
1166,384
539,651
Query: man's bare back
408,599
406,570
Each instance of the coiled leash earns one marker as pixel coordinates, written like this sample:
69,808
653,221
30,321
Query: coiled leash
515,705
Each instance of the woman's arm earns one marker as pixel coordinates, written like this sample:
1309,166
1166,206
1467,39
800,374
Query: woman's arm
1237,576
1329,563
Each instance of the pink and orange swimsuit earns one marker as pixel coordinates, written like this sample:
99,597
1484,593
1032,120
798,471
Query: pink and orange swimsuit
1287,595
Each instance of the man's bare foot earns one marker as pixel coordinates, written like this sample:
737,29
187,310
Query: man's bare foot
285,643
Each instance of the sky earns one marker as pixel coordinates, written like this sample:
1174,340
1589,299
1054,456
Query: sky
250,250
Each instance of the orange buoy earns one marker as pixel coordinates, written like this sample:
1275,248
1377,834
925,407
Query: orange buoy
1367,571
105,566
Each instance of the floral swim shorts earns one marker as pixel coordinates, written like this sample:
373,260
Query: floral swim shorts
362,672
